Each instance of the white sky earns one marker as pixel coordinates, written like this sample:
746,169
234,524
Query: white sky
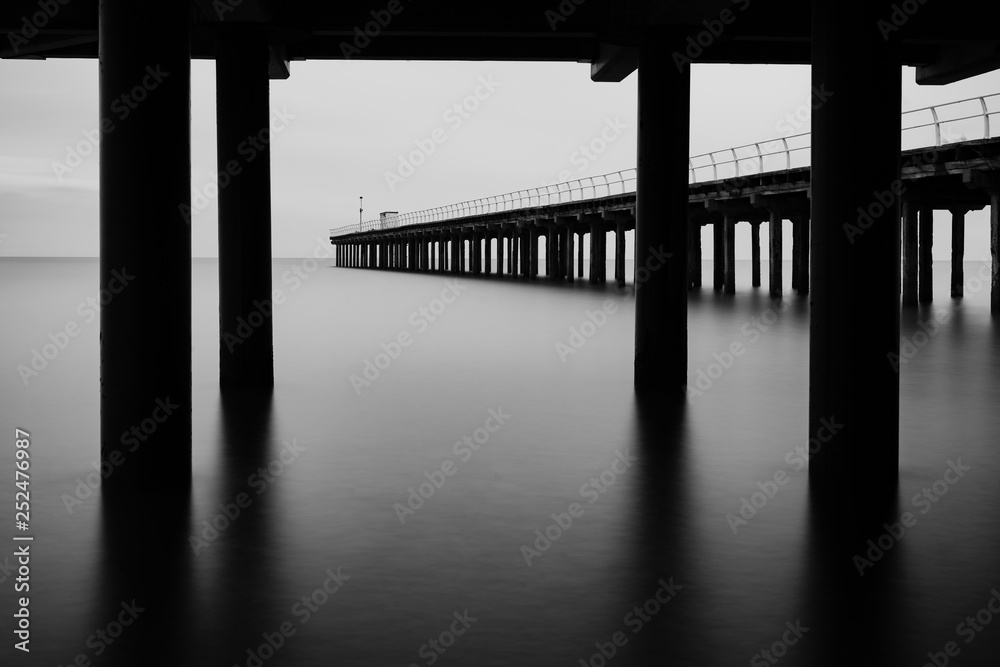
353,119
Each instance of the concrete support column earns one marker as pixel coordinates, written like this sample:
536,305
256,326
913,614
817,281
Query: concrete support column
532,253
718,254
602,265
755,254
620,255
995,252
550,253
242,110
694,259
796,251
730,254
925,283
800,248
854,284
661,336
774,224
487,255
560,250
909,253
145,246
579,255
596,253
520,260
568,257
500,253
594,279
477,254
558,267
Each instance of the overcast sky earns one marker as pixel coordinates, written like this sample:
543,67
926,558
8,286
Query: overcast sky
348,123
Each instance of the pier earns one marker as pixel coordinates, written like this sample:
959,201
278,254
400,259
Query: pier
488,236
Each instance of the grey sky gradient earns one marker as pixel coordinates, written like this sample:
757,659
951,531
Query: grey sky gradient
354,119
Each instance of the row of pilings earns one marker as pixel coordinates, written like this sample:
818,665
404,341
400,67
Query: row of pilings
461,250
516,252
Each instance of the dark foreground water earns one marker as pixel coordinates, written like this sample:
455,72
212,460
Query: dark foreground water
646,569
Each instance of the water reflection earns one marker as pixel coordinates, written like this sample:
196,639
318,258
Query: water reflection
144,601
238,554
662,538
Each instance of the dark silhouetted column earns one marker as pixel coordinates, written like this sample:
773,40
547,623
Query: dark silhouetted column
909,233
995,252
243,110
957,253
551,254
774,225
620,254
594,278
533,252
802,270
476,250
568,258
487,255
694,256
854,314
661,336
730,253
145,248
925,285
755,254
718,254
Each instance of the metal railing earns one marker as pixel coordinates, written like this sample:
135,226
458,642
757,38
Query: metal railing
947,123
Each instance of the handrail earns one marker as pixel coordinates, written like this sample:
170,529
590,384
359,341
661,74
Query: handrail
623,181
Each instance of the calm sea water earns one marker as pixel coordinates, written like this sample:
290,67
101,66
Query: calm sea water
654,514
